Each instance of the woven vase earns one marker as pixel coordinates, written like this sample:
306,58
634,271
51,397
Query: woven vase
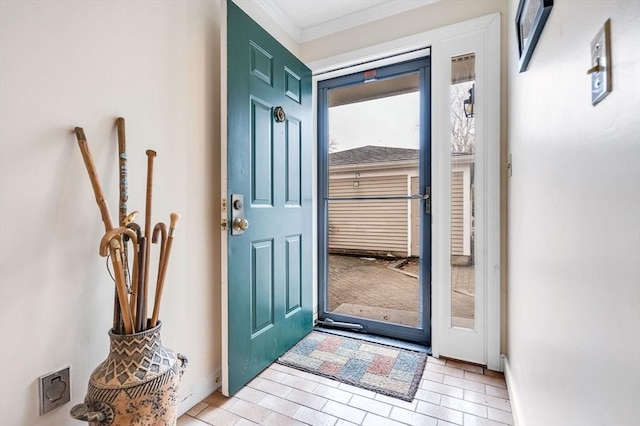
136,385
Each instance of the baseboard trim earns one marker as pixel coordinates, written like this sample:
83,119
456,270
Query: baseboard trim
189,397
514,397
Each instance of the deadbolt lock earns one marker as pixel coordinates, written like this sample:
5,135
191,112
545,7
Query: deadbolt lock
239,223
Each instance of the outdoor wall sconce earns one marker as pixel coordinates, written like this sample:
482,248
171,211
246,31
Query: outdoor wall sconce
469,104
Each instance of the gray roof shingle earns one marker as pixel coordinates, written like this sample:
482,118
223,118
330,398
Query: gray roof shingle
372,154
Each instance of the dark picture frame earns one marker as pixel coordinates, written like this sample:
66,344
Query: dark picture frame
530,20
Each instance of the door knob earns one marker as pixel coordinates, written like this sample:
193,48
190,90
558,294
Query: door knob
240,224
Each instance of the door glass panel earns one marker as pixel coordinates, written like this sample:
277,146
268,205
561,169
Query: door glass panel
462,191
373,223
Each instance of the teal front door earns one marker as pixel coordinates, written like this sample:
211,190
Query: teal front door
269,281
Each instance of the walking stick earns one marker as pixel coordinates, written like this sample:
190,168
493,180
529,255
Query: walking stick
123,198
140,295
106,219
162,269
112,243
147,229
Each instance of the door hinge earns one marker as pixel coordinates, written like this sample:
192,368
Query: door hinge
224,225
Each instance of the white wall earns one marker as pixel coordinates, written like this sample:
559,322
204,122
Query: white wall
79,63
574,223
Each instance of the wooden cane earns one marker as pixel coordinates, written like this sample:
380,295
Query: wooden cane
123,198
162,269
147,227
121,287
93,176
135,279
100,199
111,243
140,315
160,231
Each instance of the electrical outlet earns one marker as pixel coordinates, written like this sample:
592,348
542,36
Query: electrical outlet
55,389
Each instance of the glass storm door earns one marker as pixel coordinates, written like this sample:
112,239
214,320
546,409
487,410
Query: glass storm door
374,187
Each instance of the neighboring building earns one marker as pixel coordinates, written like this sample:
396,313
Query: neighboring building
390,227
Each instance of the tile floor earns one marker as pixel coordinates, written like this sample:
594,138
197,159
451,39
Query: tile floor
451,393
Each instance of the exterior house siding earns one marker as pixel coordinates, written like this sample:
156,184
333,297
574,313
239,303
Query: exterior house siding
375,227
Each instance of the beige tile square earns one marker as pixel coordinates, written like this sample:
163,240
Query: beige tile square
278,405
488,380
428,396
412,418
444,413
305,398
371,405
488,400
499,392
218,416
273,375
186,420
433,376
445,423
464,406
217,399
273,388
456,392
249,411
342,422
245,422
277,419
250,394
433,360
373,420
464,366
501,416
399,402
333,393
356,390
196,409
300,383
345,412
464,384
471,420
492,373
443,369
313,417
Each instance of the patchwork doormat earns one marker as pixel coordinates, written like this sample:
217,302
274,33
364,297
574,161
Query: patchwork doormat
384,369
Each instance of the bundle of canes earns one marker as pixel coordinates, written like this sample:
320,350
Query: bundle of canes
114,248
164,261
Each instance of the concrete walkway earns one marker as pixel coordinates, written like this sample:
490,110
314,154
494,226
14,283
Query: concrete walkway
372,288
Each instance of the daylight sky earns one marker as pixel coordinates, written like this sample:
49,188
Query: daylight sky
391,121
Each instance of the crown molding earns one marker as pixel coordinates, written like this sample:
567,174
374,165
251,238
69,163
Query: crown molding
302,35
282,20
361,17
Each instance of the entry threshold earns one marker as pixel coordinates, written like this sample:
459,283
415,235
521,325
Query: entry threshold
383,340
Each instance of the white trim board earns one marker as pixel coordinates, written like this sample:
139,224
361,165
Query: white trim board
188,398
514,394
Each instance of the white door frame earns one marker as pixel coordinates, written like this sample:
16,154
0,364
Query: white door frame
441,41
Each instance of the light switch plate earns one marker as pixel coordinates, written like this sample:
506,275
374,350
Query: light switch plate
601,64
55,389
